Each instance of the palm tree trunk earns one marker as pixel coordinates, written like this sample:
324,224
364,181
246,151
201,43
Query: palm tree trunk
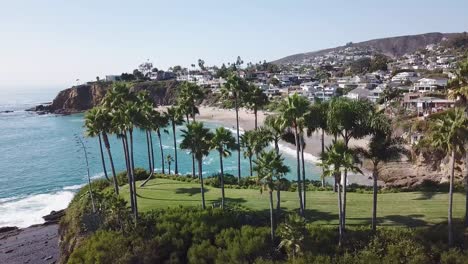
193,157
250,165
202,188
176,165
272,217
298,159
276,146
345,183
114,176
238,142
374,199
152,152
256,118
149,153
221,178
102,157
466,190
132,175
340,212
162,151
450,207
129,177
323,150
278,200
304,185
169,167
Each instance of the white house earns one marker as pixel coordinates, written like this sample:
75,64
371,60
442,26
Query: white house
425,85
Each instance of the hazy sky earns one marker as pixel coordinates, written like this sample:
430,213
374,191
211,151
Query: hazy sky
56,42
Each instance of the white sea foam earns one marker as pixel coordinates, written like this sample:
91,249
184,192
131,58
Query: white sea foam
292,152
30,210
74,187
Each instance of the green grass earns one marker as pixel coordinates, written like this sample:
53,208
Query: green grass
404,208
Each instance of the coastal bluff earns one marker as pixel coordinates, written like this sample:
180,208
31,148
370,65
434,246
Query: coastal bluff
80,98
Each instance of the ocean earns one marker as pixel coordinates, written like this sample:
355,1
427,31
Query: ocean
41,166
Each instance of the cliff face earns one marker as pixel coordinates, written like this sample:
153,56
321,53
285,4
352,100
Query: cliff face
83,97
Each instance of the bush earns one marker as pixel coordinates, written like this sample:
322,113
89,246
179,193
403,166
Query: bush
140,175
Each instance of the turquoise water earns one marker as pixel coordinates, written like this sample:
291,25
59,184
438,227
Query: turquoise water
41,166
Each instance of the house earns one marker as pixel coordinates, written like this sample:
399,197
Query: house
404,76
112,78
426,105
308,86
358,94
425,85
161,75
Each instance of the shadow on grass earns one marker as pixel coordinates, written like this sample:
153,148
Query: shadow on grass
163,183
314,215
407,220
426,196
190,191
228,201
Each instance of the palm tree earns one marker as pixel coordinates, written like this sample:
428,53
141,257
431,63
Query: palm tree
169,160
159,122
292,111
92,130
247,144
449,133
223,142
336,159
197,140
349,119
276,127
234,89
175,116
382,148
189,94
292,235
255,100
269,166
315,119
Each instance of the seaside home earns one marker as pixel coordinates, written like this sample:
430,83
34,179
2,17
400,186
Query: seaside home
425,105
425,85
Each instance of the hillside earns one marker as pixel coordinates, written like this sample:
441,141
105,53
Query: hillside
392,46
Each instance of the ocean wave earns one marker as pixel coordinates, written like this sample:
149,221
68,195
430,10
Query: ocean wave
292,152
30,210
74,187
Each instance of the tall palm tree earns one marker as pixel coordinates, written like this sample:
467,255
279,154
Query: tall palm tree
336,159
247,142
160,121
175,116
449,133
349,119
316,119
292,112
197,140
93,129
276,127
382,148
234,89
269,166
189,95
223,142
255,100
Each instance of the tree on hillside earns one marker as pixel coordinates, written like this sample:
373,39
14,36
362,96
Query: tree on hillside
169,160
292,112
175,116
233,90
336,159
449,133
382,148
255,100
197,140
223,142
269,166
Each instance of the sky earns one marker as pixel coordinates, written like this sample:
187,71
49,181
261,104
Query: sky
54,43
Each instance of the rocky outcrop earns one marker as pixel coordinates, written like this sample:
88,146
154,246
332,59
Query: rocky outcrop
83,97
406,174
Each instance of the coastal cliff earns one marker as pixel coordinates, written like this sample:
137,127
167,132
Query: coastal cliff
83,97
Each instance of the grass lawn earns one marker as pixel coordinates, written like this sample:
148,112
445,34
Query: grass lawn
405,208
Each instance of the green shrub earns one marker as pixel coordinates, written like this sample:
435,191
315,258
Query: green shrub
140,175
